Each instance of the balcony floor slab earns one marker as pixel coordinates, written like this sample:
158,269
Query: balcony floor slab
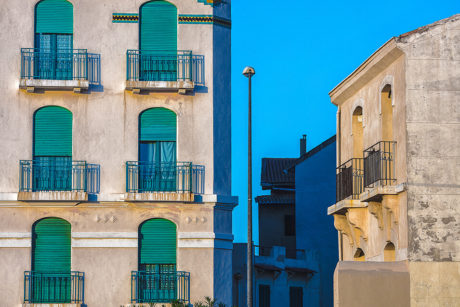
160,196
376,193
73,85
53,196
158,86
345,204
51,305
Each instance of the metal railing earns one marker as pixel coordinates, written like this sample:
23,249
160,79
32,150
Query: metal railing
349,179
177,177
379,164
48,176
72,64
54,287
153,287
144,65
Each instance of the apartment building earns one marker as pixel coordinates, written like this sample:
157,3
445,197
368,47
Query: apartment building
116,166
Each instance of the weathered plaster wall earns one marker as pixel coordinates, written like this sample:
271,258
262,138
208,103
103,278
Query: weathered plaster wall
433,147
315,232
105,131
104,246
106,120
371,284
434,283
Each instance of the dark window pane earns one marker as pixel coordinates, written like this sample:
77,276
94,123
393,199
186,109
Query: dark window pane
289,225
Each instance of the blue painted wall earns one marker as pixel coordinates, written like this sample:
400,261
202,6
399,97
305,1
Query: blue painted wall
315,191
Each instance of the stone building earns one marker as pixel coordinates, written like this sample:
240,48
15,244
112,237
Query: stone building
115,157
398,187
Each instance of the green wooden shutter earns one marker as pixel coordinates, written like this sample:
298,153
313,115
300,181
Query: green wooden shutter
54,16
157,124
157,242
52,246
53,132
158,26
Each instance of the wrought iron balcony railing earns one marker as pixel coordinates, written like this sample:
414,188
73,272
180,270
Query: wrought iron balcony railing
59,175
72,64
153,287
349,179
179,177
379,164
144,65
50,288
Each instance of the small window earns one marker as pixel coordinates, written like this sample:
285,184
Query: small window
264,296
295,297
289,225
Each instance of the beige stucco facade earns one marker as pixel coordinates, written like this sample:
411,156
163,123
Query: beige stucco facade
407,95
105,132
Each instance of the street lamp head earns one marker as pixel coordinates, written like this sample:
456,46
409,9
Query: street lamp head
249,72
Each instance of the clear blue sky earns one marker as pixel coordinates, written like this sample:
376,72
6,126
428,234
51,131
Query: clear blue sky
301,50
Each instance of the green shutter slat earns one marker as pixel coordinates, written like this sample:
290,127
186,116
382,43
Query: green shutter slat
157,242
52,246
53,132
158,124
158,26
54,16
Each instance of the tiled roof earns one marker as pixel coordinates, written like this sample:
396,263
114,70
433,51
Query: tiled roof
273,172
285,199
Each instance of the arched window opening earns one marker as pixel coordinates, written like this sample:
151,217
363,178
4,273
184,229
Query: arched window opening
158,41
387,113
52,149
54,39
51,261
359,255
157,261
389,253
157,150
357,126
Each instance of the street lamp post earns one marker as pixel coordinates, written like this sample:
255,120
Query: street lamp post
249,72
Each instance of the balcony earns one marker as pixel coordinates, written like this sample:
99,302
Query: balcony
379,171
153,287
50,288
276,259
349,179
166,71
75,69
149,181
57,180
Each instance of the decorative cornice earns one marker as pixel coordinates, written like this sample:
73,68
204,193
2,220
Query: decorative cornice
125,18
204,19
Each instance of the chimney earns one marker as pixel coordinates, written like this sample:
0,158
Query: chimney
303,145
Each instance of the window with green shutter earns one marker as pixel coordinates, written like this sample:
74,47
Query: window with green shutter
158,41
157,243
52,170
53,40
51,261
157,150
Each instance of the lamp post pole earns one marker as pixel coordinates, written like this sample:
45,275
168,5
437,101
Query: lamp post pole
249,72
